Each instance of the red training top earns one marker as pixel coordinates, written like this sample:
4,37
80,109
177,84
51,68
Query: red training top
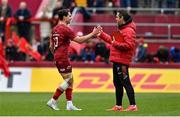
122,50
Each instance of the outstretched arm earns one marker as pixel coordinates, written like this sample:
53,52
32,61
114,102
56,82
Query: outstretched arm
104,36
82,39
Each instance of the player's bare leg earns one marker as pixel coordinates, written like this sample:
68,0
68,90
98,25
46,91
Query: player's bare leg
52,103
66,86
69,92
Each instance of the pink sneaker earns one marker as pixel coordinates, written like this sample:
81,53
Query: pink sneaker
116,108
132,108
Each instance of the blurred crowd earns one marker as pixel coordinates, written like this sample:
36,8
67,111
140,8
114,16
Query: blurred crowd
92,51
132,3
162,55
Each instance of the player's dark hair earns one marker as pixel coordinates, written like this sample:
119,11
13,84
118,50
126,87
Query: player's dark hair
127,18
62,13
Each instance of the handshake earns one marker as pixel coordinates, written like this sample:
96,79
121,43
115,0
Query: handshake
97,30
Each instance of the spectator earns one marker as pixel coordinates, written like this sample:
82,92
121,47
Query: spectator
158,4
67,4
48,56
58,7
24,26
90,3
151,59
81,3
162,54
141,51
73,54
44,25
170,4
99,4
129,4
11,51
175,54
21,56
111,3
85,13
101,52
37,46
5,12
146,3
88,53
73,5
55,16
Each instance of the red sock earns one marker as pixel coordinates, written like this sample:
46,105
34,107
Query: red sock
69,93
57,94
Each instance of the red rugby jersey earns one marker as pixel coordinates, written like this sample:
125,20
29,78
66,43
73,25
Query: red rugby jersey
60,38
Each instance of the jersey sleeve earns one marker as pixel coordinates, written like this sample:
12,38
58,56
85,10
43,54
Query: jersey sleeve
70,34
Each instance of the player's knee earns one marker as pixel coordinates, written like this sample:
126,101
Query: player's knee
67,82
64,86
70,82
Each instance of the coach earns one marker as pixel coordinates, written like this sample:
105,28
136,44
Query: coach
122,50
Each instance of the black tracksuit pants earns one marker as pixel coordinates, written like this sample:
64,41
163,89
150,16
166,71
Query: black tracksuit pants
121,80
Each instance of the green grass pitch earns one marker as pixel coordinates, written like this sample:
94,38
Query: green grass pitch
93,104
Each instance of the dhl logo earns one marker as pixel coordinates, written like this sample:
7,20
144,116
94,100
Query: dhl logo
101,80
98,80
139,81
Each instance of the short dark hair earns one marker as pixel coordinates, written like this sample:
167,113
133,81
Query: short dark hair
124,14
62,13
127,18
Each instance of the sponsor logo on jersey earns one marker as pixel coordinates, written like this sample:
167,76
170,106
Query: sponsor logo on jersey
62,70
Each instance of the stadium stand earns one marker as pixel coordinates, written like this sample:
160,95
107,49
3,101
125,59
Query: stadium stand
153,24
158,24
33,5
